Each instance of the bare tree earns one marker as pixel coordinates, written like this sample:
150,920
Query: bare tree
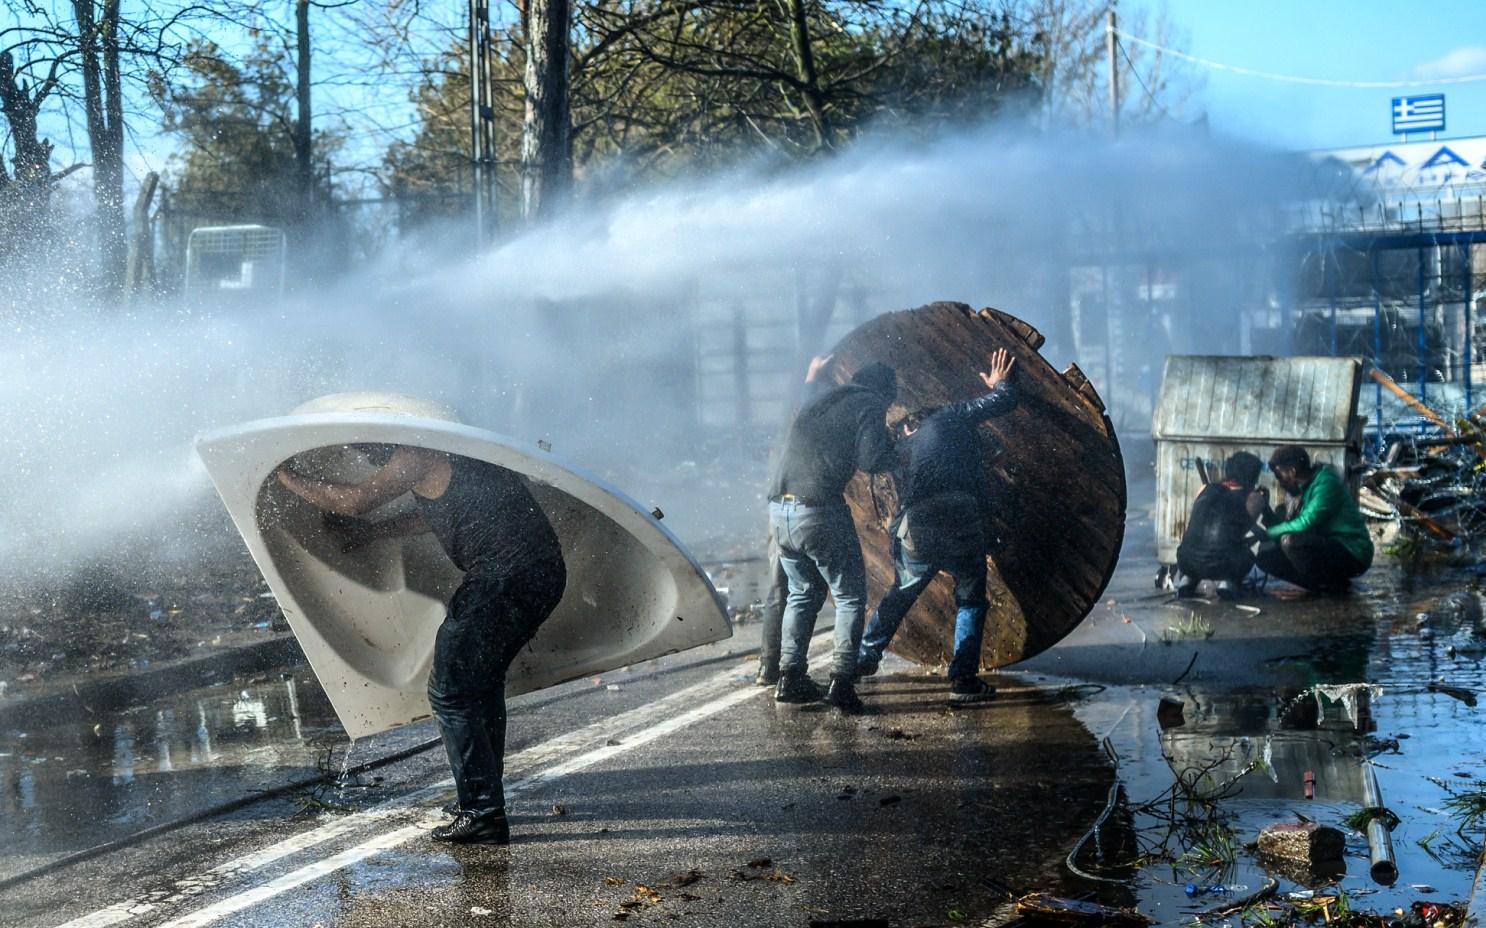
103,107
1075,72
25,190
94,54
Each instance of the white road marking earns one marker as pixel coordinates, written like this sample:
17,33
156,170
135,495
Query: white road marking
383,842
528,769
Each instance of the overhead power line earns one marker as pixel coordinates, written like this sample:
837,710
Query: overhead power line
1293,78
1135,72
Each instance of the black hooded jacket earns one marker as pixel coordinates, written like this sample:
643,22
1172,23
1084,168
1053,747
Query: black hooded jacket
944,455
838,432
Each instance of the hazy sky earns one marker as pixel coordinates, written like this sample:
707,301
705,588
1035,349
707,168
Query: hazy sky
1342,40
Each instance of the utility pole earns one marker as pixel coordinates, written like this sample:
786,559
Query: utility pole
1110,40
482,121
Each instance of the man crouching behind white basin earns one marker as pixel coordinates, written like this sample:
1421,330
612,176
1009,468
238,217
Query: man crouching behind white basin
492,528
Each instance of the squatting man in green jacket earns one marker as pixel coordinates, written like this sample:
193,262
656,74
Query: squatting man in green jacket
1325,543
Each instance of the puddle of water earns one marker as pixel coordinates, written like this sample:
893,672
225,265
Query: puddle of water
70,785
1254,746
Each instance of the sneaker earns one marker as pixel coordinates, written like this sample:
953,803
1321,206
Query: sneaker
767,676
796,687
1187,590
1227,590
970,689
472,828
843,694
866,669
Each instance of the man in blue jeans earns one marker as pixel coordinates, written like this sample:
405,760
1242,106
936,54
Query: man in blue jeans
778,593
835,434
940,526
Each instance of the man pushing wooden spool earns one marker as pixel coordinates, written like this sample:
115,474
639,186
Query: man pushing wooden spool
1052,484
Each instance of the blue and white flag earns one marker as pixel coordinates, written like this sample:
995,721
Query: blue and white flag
1424,113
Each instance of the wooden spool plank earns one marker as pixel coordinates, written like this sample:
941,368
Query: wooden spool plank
1053,466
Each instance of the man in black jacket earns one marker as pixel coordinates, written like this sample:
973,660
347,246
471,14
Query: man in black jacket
837,433
772,620
940,525
1221,531
494,530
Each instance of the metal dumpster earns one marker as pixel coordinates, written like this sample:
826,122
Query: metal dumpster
1211,407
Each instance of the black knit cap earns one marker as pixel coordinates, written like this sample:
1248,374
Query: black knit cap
879,378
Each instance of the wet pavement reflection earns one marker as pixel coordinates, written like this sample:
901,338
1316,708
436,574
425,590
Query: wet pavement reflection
999,790
1265,716
70,784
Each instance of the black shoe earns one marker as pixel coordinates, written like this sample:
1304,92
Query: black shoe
866,669
970,689
451,807
767,676
470,828
843,694
1227,591
796,687
1187,590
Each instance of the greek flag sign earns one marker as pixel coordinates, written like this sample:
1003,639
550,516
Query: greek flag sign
1423,113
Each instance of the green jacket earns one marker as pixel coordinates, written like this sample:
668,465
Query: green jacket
1327,508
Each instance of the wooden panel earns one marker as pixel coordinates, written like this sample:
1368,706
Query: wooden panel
1053,466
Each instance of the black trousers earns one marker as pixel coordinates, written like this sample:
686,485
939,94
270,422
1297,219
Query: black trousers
1311,560
773,614
1232,565
494,613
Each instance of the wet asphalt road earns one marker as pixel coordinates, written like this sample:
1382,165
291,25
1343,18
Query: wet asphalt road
683,779
678,792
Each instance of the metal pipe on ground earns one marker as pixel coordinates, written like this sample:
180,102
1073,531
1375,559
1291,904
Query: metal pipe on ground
1379,838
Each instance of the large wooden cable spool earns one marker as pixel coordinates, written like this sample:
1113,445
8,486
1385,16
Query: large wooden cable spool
1053,468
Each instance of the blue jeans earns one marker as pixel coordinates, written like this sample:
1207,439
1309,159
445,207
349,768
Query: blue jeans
909,580
819,551
493,615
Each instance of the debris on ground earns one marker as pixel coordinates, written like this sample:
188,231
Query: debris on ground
1454,692
1429,485
1045,907
893,734
110,619
1309,843
642,897
775,875
1336,910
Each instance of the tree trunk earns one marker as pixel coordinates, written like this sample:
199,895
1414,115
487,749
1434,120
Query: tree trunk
804,53
139,279
814,308
303,136
25,193
98,40
546,137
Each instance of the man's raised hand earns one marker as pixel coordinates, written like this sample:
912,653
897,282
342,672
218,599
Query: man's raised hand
1001,364
816,364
